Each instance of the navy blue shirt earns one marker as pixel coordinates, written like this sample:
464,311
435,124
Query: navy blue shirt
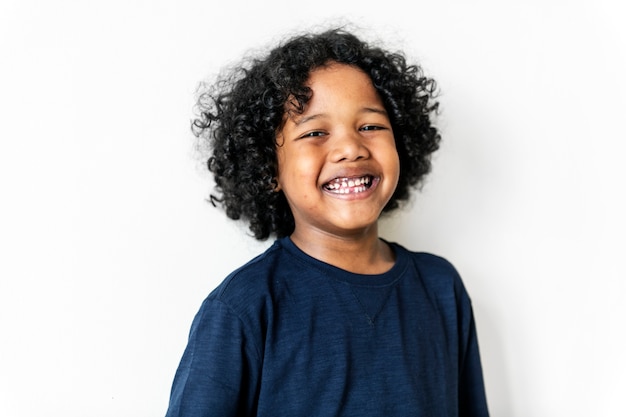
288,335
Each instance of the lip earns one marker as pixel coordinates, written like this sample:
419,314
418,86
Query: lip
351,187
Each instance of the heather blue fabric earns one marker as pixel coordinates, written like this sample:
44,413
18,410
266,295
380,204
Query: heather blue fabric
288,335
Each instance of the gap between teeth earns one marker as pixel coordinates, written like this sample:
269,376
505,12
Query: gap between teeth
348,185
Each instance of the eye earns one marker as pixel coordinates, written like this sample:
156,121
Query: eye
312,134
368,128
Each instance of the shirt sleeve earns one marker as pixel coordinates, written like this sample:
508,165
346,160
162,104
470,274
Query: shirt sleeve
472,398
219,370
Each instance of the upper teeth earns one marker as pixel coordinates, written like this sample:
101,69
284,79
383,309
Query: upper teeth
346,185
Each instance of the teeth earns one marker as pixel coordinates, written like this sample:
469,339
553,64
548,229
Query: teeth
349,185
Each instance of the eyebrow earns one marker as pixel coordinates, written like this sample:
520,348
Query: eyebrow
302,120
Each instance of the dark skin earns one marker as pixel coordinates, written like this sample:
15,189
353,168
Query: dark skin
338,167
360,255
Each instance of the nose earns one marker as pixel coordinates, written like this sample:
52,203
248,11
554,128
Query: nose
348,146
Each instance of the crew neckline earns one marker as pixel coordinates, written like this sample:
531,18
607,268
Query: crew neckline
366,280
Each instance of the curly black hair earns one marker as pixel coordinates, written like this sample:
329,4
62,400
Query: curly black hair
240,114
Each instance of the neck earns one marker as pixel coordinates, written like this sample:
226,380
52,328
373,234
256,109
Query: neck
361,253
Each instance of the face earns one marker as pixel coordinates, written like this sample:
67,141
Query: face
337,162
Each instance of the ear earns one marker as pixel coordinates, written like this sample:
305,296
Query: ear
276,187
279,141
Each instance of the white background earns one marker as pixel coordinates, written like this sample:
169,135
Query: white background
107,246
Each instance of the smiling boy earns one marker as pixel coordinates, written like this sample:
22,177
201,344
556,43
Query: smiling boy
311,144
338,167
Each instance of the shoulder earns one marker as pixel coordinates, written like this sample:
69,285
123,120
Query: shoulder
241,303
252,288
254,277
434,271
252,274
426,261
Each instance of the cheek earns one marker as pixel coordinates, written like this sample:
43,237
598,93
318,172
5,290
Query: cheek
303,168
392,161
281,166
298,179
396,162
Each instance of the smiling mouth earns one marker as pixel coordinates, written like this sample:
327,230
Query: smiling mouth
352,185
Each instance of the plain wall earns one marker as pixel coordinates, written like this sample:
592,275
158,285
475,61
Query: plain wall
108,247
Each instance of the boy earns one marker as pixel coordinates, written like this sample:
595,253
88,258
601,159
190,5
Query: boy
311,144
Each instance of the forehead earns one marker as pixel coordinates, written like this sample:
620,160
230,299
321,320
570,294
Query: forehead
338,85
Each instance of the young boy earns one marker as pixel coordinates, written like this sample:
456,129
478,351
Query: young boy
311,144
